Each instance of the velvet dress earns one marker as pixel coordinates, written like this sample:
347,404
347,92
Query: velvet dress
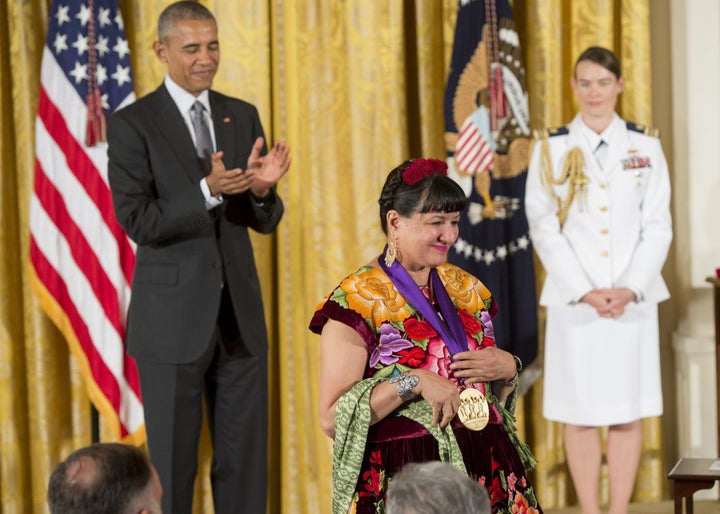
398,339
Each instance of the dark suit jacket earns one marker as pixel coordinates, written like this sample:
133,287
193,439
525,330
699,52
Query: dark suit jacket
154,175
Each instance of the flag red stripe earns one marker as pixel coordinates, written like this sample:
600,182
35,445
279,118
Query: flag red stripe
473,153
477,160
82,261
470,153
87,261
58,289
468,138
479,154
86,173
131,373
83,253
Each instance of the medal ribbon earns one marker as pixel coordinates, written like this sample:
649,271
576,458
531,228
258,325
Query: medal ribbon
451,329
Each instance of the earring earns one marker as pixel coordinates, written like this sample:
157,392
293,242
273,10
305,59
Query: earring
390,254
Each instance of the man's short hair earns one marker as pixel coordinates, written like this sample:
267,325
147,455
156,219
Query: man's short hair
104,478
435,488
183,10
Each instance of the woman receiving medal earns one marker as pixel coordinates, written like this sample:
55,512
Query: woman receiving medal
409,367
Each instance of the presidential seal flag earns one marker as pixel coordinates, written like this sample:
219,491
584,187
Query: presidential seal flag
487,136
81,261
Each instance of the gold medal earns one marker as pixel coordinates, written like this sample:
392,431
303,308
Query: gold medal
474,412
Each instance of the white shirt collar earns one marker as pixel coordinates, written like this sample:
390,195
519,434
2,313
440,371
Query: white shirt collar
593,138
183,99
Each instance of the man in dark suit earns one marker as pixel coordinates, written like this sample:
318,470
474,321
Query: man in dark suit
196,325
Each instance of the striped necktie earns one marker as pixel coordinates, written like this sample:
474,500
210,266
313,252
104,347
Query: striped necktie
203,141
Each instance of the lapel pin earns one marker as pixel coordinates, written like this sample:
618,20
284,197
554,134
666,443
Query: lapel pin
226,120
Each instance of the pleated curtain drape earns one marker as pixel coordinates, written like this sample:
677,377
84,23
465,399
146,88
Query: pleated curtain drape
355,87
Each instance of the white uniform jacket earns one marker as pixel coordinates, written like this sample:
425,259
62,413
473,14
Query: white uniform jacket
618,232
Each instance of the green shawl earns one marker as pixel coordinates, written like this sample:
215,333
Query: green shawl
352,422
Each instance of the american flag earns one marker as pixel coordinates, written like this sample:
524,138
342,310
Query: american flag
486,117
81,260
475,147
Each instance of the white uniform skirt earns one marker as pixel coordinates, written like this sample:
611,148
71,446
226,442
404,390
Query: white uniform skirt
601,371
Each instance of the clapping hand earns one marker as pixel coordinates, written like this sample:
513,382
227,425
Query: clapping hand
267,169
227,182
261,174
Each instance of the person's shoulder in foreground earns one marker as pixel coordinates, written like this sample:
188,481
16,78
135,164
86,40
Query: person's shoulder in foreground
105,478
435,487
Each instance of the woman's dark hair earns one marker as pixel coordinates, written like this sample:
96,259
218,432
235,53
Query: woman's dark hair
435,192
601,56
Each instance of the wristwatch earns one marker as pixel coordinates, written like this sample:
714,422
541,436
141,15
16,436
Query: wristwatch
405,383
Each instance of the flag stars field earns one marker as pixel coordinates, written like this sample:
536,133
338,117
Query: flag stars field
81,44
121,48
60,43
62,15
83,15
79,72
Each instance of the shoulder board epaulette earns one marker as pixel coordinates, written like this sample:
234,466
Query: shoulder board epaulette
550,132
643,129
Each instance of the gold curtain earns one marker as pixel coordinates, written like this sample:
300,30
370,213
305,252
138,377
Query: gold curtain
355,87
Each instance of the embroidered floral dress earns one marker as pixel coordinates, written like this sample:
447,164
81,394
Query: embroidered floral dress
398,339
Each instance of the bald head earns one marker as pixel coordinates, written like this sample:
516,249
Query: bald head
104,478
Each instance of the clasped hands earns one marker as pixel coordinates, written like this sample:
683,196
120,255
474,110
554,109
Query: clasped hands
486,365
260,175
609,303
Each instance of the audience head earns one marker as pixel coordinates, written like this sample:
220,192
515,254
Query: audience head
105,478
435,488
420,185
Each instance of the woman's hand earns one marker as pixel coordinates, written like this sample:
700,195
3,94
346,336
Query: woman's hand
485,365
440,393
618,300
609,303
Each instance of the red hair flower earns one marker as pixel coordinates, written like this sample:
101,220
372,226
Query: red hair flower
421,168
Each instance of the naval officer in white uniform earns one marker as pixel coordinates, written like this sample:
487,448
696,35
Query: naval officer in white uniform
598,206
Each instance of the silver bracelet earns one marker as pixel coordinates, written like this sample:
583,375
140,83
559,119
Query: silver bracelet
518,368
405,384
